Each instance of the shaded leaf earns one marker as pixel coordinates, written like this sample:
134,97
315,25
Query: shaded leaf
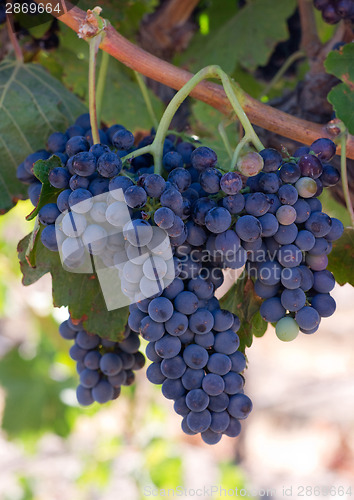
33,104
342,99
30,253
49,193
80,292
341,64
242,301
248,38
32,397
342,257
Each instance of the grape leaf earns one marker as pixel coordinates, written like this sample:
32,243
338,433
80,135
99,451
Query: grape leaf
248,37
33,104
341,64
342,99
242,301
80,292
340,260
49,193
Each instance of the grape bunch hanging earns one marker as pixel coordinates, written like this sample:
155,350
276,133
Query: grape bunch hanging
334,11
269,219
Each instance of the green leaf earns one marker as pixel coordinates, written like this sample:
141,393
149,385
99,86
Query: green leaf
80,292
341,64
342,99
30,253
242,301
122,102
33,104
248,38
342,257
49,193
32,396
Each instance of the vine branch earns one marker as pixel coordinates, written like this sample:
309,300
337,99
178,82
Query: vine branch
259,114
310,41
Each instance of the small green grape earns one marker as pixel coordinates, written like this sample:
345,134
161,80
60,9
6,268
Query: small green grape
306,187
286,329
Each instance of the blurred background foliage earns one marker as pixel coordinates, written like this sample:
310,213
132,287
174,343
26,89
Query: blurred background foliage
52,449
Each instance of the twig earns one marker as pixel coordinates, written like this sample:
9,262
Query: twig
13,39
224,137
146,97
259,114
290,60
310,41
345,185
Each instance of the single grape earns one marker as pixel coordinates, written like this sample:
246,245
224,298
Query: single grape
123,140
287,329
306,187
250,164
307,318
109,165
203,157
324,304
324,149
240,406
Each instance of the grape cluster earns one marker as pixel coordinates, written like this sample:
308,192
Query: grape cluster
334,11
103,365
193,348
291,237
172,237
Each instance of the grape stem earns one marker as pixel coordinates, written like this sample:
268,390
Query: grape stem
146,97
225,139
245,140
343,167
299,54
101,83
234,95
93,47
138,152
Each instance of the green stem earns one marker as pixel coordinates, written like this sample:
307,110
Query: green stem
233,94
146,97
225,139
294,57
170,111
245,139
93,44
343,166
138,152
101,83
